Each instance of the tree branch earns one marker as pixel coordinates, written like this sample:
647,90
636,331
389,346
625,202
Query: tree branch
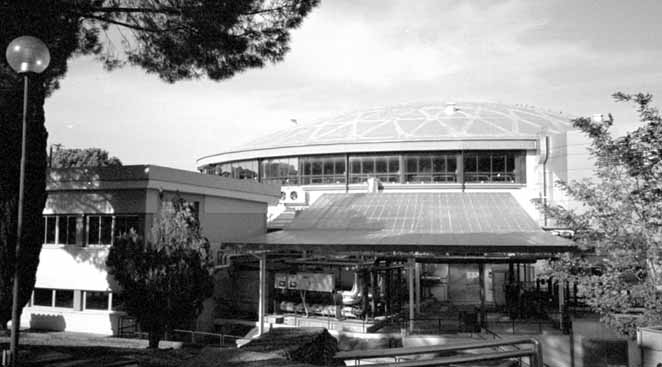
123,24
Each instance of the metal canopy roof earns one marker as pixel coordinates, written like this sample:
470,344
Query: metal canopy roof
407,222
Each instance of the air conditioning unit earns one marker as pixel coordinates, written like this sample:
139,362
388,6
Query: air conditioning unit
293,196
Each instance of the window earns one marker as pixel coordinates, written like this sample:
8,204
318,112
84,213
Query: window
42,297
64,298
100,229
67,230
491,167
281,170
116,301
61,229
322,170
51,225
125,223
383,167
244,170
430,167
96,300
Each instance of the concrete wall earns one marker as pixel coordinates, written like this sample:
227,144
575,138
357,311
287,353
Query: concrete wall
570,160
46,318
588,331
72,267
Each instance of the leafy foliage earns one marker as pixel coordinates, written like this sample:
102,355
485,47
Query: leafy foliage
164,281
618,223
174,39
89,157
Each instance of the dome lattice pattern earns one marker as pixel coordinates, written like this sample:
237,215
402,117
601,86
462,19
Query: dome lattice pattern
412,122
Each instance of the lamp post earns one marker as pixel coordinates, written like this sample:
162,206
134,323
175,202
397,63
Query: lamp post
25,54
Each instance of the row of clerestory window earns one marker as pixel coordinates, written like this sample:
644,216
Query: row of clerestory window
88,229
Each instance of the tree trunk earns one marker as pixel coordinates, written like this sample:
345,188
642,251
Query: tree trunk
154,338
11,111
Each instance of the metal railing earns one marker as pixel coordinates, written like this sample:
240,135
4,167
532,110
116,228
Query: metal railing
205,338
520,326
533,352
128,327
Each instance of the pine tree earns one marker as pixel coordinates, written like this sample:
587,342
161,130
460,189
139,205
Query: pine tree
165,280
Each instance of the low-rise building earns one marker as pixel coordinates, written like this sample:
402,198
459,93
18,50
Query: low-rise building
87,207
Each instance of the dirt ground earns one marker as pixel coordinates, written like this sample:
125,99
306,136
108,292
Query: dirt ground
63,349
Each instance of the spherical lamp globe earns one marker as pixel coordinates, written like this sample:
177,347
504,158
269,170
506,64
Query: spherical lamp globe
27,54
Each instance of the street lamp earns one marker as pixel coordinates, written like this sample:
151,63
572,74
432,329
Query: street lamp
25,55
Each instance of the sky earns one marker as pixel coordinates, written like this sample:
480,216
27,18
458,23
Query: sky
558,55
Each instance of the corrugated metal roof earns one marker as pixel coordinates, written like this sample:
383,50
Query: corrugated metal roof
458,222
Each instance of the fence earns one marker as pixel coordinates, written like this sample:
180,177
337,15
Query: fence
205,338
128,327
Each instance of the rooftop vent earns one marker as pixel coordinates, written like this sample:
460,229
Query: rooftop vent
450,109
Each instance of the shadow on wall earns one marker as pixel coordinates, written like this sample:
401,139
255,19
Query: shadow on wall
93,255
48,322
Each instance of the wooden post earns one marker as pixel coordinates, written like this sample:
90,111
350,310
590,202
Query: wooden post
261,293
410,287
481,280
417,280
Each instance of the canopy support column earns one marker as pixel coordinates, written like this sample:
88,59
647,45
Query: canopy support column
417,280
481,280
262,292
410,285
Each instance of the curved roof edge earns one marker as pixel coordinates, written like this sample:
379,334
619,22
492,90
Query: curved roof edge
520,143
414,126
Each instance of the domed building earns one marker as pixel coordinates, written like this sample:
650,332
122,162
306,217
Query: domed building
452,146
443,190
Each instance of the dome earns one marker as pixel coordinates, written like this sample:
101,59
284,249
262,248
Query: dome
406,123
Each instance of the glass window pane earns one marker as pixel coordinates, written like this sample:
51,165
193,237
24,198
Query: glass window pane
117,302
93,232
124,224
368,165
469,164
380,165
355,164
484,163
293,166
307,167
226,170
340,166
96,300
498,163
64,298
106,230
328,166
411,164
451,164
43,297
424,164
317,166
62,229
50,229
71,230
394,164
510,162
439,164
